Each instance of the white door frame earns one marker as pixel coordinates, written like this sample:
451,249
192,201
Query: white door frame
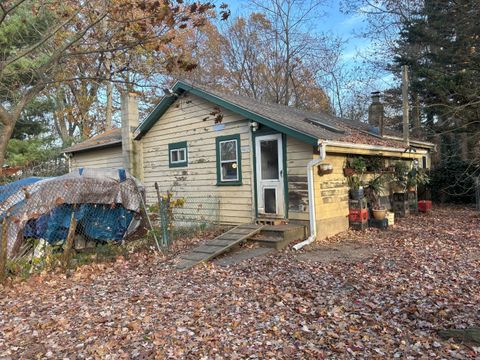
277,184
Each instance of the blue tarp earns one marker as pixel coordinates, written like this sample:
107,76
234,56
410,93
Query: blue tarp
96,221
10,189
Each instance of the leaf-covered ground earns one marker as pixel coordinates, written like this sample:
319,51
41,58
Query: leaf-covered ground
421,276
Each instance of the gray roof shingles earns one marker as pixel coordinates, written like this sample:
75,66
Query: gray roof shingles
329,127
108,138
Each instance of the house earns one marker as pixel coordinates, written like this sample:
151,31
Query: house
258,160
101,151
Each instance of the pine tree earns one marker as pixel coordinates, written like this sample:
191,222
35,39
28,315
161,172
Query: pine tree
441,46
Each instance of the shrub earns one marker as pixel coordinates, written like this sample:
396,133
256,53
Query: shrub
453,181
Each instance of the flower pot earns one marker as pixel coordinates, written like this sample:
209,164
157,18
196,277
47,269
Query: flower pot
348,171
324,169
356,194
379,214
397,188
412,189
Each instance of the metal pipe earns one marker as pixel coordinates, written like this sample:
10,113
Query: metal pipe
311,197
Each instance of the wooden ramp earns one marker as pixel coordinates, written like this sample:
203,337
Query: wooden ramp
217,246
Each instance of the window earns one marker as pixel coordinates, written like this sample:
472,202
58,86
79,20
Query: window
229,169
177,154
424,162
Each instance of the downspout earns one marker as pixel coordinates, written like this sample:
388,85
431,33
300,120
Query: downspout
311,197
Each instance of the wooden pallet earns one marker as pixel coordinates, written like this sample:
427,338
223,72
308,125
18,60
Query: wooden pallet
217,246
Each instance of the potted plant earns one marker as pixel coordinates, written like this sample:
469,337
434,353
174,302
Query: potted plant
375,164
356,187
358,164
373,191
347,169
355,165
416,177
411,181
400,176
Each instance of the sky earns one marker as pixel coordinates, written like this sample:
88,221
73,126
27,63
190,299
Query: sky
334,22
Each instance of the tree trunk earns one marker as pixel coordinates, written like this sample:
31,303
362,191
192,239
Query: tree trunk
416,114
59,116
5,135
108,110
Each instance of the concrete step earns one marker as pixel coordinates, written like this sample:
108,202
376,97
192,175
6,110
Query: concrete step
274,243
284,231
279,236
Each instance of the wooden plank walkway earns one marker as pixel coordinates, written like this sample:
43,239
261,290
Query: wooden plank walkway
217,246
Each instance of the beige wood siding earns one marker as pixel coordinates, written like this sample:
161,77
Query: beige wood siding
298,156
189,119
99,158
331,198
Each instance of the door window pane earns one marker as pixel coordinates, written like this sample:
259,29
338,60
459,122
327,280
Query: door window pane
269,155
270,196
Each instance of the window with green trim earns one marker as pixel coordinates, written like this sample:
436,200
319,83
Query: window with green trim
229,162
177,154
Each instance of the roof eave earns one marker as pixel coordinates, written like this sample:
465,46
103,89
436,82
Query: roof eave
165,103
156,113
369,147
412,141
93,147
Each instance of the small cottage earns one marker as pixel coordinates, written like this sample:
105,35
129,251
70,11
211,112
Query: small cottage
259,161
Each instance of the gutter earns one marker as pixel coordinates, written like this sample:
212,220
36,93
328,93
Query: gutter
72,150
311,197
413,142
370,147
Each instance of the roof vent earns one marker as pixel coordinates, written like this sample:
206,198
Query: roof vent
328,127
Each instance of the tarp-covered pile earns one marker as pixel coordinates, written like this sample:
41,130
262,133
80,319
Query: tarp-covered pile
105,202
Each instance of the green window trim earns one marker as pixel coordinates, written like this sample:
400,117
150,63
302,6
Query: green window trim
178,148
238,161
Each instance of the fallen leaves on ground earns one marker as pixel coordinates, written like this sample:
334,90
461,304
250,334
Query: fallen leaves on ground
423,275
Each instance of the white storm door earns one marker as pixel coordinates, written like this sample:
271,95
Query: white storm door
269,168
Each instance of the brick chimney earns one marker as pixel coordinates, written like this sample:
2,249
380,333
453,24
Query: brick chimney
131,149
376,112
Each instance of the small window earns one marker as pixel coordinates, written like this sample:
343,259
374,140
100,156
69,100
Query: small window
177,154
229,171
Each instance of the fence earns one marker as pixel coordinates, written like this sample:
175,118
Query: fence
78,210
55,166
47,218
181,215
